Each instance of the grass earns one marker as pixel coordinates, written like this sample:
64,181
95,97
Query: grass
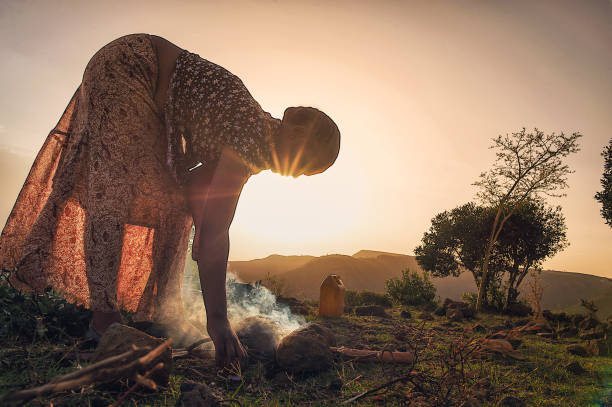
540,380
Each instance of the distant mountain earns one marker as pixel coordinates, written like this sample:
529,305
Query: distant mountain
274,264
368,270
365,270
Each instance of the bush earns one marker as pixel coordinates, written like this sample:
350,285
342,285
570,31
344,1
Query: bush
355,298
412,289
470,298
31,317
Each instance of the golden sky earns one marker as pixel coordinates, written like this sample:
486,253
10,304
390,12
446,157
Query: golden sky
417,88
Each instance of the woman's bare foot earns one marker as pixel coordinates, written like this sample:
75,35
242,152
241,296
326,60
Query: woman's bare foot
102,320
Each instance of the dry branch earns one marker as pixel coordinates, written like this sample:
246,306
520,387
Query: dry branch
125,365
140,381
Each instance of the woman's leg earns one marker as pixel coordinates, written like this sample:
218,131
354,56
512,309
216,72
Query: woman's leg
109,195
120,118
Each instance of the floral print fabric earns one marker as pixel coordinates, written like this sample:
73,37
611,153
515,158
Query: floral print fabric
208,108
100,218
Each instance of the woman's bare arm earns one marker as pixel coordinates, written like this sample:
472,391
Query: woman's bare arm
213,205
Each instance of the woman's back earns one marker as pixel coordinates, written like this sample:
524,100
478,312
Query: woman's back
167,53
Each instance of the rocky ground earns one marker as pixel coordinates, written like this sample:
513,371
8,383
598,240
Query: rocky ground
460,360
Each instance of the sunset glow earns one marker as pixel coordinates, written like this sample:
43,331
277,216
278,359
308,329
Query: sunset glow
417,89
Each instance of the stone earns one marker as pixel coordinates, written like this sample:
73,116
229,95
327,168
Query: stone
426,316
598,347
119,338
575,368
371,311
199,395
259,336
578,350
405,314
306,349
511,401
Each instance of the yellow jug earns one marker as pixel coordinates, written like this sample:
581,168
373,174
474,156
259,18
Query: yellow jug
331,297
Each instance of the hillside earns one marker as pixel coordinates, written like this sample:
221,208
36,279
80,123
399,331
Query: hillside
368,270
603,302
274,264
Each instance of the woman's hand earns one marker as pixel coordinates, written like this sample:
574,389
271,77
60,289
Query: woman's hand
229,352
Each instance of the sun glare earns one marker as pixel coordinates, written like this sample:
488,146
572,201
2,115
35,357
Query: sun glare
287,214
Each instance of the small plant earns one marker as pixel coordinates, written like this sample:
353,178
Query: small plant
470,298
412,289
32,316
274,284
356,298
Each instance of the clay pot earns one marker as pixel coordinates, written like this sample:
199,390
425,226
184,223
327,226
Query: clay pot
331,297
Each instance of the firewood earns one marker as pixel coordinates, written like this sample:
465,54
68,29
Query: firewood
125,365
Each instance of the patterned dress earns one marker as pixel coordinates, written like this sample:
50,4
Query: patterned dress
102,217
208,108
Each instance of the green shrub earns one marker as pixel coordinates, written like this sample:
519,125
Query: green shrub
355,298
470,298
30,316
412,289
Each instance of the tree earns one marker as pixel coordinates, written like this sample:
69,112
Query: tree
531,235
456,242
605,196
528,166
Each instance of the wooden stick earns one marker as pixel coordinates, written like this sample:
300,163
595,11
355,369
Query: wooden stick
101,364
139,382
106,370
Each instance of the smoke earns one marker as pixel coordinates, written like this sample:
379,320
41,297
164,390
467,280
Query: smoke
243,301
247,300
